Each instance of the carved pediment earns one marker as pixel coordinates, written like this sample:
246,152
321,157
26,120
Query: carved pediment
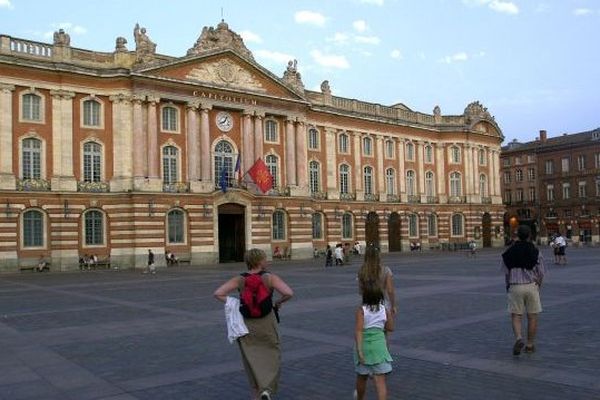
225,72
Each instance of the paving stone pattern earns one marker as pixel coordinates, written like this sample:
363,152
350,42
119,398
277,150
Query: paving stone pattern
122,335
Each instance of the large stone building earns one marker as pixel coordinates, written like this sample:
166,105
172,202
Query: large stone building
553,185
115,153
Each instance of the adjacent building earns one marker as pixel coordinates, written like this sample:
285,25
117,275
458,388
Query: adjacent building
553,185
116,153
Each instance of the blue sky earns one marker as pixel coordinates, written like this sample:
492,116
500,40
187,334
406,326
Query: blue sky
534,63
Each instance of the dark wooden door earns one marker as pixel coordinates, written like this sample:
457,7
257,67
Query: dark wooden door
232,237
372,229
394,238
486,225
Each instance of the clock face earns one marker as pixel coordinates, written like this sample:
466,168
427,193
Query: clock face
224,121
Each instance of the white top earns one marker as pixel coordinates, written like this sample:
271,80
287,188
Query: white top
560,241
374,319
339,252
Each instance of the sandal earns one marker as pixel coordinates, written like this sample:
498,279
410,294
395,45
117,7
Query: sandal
518,347
530,348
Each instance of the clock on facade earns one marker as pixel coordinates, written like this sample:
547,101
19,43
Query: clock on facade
224,121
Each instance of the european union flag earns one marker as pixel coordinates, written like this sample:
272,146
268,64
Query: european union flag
223,179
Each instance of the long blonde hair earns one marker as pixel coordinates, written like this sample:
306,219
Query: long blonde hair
370,271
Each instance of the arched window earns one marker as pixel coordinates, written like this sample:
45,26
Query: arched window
455,154
313,139
457,225
347,226
483,191
272,162
413,225
389,148
170,158
32,159
317,226
410,183
91,113
429,184
314,176
428,154
271,131
432,225
175,226
170,119
455,184
33,228
343,143
368,179
410,152
278,225
94,228
390,181
223,164
31,109
344,179
92,162
367,146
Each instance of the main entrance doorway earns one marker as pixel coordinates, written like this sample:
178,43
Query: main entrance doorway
394,239
232,233
486,224
372,229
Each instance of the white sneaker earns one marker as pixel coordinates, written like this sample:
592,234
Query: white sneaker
265,395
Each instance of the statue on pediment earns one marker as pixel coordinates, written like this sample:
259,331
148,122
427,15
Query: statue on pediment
325,89
476,111
220,38
61,38
144,47
120,44
292,77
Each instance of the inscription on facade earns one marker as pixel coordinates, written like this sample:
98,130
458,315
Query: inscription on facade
223,97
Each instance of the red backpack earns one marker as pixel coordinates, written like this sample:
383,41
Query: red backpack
256,299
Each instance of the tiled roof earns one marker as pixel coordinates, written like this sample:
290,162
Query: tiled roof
565,139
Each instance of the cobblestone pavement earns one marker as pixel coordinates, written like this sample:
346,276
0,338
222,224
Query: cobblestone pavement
121,335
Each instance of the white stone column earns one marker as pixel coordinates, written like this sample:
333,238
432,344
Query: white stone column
62,178
193,142
333,192
440,172
247,141
290,152
468,168
205,150
420,178
357,175
140,154
401,172
475,160
258,137
7,176
301,159
122,131
380,173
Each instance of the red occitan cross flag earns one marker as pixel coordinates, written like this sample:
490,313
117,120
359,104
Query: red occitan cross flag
261,176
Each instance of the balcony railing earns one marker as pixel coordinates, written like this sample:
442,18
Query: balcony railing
393,198
279,191
371,197
176,187
93,187
319,195
432,199
457,199
413,199
347,196
486,200
33,185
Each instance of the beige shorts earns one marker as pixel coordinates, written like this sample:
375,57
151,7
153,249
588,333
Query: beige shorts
524,299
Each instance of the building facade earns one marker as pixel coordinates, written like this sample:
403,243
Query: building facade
553,185
115,153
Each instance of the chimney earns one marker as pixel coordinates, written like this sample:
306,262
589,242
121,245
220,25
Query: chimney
543,135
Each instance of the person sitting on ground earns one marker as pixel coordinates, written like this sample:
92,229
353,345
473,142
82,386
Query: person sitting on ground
316,253
414,246
277,252
42,264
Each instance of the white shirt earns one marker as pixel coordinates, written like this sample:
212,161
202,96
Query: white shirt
235,322
560,241
339,252
374,319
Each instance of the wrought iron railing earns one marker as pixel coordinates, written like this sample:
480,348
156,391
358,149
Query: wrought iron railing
413,199
371,197
176,187
457,199
33,185
347,196
93,187
393,198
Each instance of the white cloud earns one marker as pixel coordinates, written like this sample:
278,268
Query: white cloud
374,2
339,38
360,26
397,54
310,17
461,56
278,58
506,7
580,12
330,60
6,4
250,37
367,39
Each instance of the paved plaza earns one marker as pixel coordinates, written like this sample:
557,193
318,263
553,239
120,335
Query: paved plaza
121,335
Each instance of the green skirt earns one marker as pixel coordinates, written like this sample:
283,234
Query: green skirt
374,347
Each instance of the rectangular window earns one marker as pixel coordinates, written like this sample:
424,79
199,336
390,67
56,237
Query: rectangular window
530,158
519,195
91,113
278,226
549,167
506,177
598,190
507,196
506,162
582,192
564,163
550,193
271,131
531,174
566,189
389,149
597,160
343,143
31,107
581,162
532,196
367,146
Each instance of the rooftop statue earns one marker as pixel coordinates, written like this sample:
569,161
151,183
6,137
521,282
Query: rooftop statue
144,47
220,38
292,77
61,38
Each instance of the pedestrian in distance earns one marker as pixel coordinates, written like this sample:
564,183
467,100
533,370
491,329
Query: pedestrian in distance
339,254
523,268
260,348
150,268
328,257
561,247
371,355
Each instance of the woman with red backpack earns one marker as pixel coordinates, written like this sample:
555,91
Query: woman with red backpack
261,352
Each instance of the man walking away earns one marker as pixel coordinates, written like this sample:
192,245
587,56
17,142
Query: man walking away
523,267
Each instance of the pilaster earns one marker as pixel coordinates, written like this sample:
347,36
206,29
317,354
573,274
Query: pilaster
301,157
401,172
206,184
63,178
247,140
258,136
333,192
380,172
440,171
290,152
7,177
357,175
122,128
